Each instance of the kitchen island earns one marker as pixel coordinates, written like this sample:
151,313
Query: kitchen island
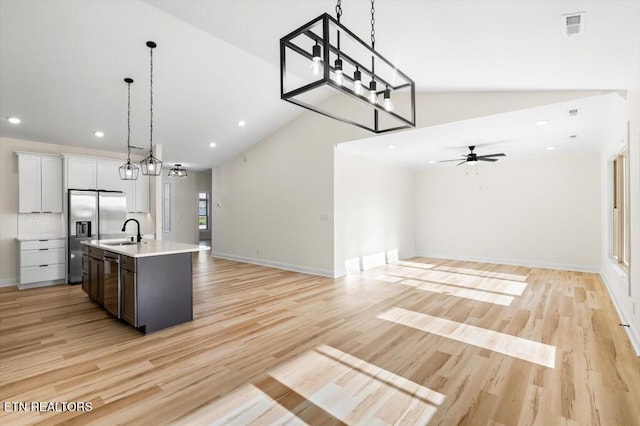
147,284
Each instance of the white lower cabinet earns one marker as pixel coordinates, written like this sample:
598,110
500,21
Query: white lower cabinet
42,260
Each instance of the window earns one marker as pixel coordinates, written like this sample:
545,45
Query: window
203,210
621,208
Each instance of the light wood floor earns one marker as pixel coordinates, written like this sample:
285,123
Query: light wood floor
421,342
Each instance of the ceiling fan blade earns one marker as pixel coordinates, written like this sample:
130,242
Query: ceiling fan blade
462,162
445,161
492,155
487,159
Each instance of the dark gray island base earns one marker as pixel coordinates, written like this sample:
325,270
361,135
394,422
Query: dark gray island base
146,286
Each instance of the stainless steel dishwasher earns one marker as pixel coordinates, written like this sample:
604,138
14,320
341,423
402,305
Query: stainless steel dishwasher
112,283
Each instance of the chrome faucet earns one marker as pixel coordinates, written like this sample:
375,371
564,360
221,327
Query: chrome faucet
139,237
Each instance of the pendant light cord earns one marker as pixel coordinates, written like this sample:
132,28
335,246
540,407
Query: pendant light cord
373,25
128,122
151,103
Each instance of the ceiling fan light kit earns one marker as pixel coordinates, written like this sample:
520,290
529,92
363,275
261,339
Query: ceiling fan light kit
472,158
324,58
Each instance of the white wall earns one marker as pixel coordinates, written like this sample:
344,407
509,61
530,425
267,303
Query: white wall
373,212
543,212
276,199
271,204
624,287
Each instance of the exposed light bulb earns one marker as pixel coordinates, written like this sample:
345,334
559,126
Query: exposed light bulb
127,172
150,167
316,62
357,83
373,93
338,71
387,105
357,87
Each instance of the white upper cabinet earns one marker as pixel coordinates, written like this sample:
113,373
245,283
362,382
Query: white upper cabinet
81,173
51,170
102,173
29,184
39,184
108,176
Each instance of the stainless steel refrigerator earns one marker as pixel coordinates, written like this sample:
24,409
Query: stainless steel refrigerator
93,215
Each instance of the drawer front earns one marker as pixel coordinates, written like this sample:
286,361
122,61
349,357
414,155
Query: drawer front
41,257
96,252
128,263
34,274
41,244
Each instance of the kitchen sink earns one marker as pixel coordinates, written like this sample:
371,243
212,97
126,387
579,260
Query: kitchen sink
121,243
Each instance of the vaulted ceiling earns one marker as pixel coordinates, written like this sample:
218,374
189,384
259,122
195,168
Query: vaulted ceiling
62,62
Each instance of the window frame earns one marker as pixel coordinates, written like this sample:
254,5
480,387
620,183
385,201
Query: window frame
620,209
206,215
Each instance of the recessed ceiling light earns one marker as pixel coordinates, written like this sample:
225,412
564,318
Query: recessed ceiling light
542,123
391,146
550,148
432,162
212,144
242,123
98,134
14,120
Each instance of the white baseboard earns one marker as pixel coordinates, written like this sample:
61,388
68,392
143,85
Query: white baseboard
633,336
263,262
515,262
8,282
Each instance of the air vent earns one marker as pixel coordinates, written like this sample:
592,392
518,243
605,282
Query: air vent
573,112
573,23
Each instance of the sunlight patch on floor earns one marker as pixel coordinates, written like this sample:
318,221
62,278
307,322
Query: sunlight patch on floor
517,347
482,296
514,288
481,273
355,391
247,405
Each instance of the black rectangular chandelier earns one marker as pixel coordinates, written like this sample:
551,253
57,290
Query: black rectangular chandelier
326,68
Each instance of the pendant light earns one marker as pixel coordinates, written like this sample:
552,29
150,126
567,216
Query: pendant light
178,171
151,165
128,171
370,92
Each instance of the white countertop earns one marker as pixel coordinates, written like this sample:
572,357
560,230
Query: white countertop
145,248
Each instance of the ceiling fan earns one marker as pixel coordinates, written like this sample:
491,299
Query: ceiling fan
473,158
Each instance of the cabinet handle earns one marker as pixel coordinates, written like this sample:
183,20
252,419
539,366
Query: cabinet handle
42,266
43,249
47,212
43,240
35,212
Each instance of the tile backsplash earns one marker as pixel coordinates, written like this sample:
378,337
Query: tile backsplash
40,225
